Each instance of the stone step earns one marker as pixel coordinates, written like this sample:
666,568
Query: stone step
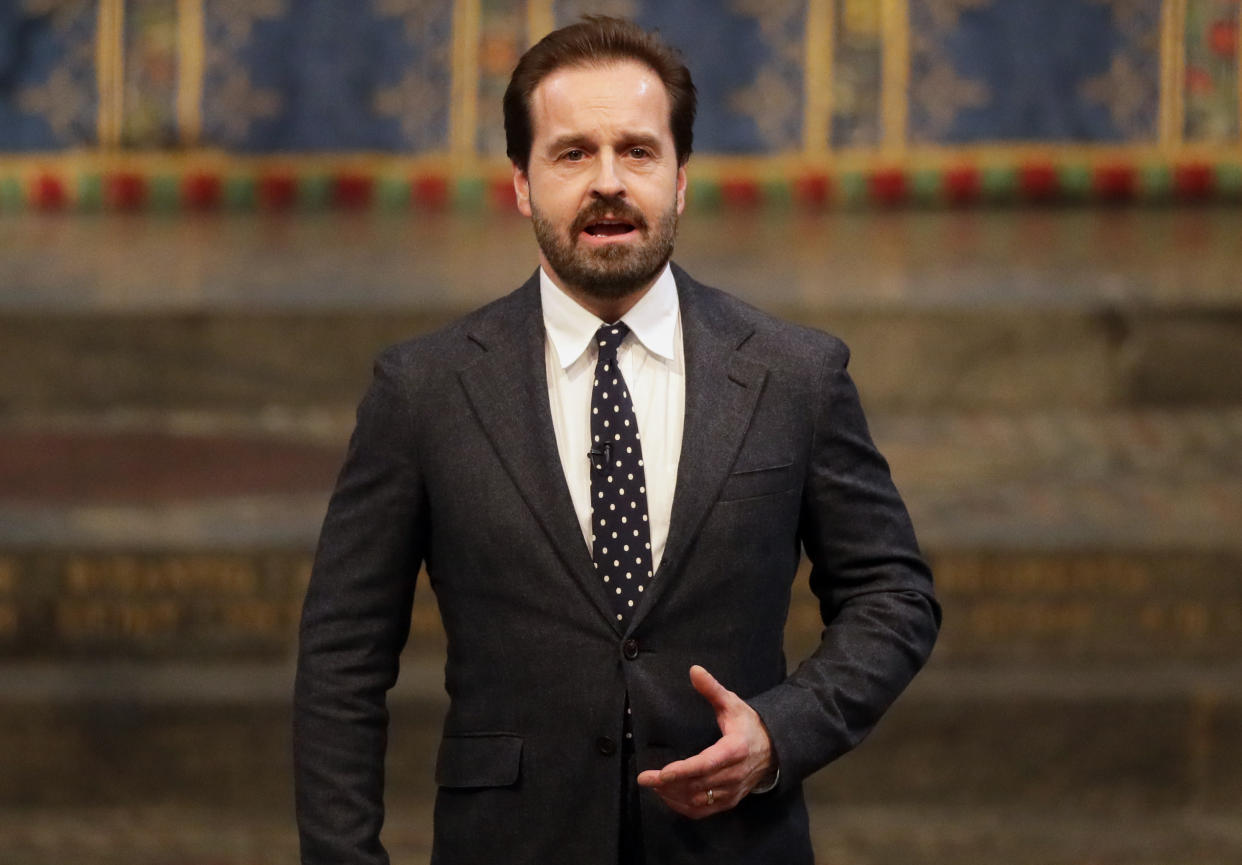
975,358
1055,740
1063,479
123,455
993,835
842,835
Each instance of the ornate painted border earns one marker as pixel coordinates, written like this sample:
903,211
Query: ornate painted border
894,172
92,181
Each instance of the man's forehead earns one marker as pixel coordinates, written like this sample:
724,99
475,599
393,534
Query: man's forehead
621,90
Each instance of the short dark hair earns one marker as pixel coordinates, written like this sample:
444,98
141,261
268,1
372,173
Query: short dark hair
595,40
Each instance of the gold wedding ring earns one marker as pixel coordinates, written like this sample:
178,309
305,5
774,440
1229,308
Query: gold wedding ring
711,796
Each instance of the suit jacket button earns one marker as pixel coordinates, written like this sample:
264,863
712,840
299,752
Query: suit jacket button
606,746
630,649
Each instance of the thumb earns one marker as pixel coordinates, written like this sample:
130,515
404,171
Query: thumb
715,693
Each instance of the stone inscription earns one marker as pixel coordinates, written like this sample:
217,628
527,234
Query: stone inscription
1088,606
1102,606
1043,575
1047,606
220,575
171,604
133,597
166,604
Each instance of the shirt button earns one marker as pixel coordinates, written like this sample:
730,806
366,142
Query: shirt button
630,649
606,746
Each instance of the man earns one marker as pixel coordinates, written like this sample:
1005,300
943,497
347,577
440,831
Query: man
609,474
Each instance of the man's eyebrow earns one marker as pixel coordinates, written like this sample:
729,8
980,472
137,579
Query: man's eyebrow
571,139
574,139
643,139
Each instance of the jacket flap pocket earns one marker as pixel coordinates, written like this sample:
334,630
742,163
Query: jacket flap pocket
481,760
752,483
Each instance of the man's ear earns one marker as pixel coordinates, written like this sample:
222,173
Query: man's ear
681,189
521,186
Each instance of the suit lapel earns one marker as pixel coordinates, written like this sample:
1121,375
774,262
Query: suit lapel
722,390
508,391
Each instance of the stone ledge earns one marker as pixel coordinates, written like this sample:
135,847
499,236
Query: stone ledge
1028,257
1062,479
124,456
842,835
69,685
1145,606
997,836
1058,741
933,360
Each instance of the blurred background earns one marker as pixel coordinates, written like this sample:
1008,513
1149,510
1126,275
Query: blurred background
1023,216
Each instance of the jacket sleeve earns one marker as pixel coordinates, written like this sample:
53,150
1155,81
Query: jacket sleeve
874,589
355,621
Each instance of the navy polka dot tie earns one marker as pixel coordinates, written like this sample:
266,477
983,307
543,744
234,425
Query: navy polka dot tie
620,534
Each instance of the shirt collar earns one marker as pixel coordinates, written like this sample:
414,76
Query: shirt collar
570,327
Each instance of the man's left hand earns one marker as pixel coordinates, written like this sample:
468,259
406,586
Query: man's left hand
718,777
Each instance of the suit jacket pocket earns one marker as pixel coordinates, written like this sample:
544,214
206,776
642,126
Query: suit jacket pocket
479,760
752,483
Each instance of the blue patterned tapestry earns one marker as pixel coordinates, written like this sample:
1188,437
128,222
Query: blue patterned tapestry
48,91
890,81
1013,70
327,75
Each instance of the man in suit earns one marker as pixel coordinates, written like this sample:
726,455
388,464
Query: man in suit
610,475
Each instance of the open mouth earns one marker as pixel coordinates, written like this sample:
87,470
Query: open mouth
609,228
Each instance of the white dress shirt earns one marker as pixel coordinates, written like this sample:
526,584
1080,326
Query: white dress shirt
653,363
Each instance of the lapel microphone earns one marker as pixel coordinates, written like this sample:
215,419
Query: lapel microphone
595,452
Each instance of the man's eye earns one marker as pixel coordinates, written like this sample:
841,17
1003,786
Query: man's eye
638,152
574,155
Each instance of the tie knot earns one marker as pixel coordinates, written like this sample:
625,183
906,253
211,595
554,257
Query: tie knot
609,337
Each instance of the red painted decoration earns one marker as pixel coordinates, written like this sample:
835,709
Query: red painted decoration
48,192
1038,181
351,191
961,185
1198,81
503,194
431,191
1114,182
201,191
812,189
1193,180
887,186
125,190
740,193
277,191
1223,38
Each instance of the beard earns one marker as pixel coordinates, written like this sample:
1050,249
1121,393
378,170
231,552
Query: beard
613,271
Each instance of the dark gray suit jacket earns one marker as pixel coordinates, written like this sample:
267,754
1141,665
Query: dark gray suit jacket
454,463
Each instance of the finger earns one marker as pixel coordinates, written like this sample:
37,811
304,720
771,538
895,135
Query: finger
686,810
694,806
727,778
723,754
721,799
732,778
651,778
725,787
697,807
720,697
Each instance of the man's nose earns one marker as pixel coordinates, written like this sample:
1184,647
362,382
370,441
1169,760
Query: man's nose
607,181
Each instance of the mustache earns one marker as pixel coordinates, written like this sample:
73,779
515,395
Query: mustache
612,207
